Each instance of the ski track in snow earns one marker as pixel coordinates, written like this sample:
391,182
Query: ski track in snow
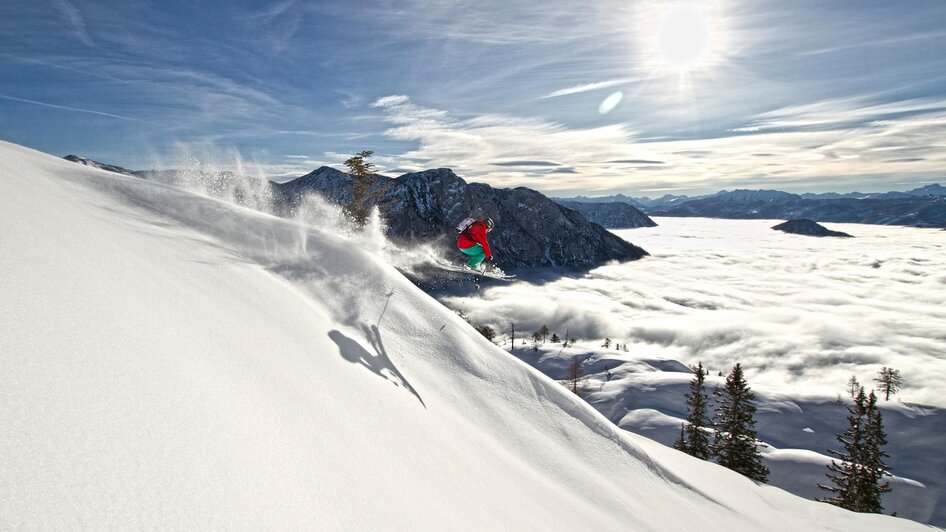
173,361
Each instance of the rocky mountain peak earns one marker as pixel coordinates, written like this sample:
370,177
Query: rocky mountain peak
531,230
95,164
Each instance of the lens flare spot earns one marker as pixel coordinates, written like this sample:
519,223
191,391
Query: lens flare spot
610,102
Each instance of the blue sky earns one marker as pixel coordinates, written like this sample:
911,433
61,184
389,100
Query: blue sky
565,97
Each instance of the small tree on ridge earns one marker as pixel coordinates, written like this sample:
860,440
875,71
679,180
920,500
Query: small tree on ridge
888,381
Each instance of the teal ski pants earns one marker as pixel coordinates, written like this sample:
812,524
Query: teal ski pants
477,255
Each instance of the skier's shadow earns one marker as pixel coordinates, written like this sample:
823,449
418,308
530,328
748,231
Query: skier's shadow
379,363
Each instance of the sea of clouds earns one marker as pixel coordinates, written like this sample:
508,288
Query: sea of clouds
802,314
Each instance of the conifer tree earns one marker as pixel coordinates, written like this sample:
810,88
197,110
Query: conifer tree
853,386
889,381
735,445
693,439
875,469
575,376
858,477
362,196
844,473
487,332
512,335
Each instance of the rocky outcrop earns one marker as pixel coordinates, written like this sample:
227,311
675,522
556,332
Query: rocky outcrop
613,215
807,228
531,230
95,164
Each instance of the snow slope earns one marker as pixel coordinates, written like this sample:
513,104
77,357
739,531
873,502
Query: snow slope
171,361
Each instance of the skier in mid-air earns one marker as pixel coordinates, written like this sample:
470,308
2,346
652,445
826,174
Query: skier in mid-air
472,241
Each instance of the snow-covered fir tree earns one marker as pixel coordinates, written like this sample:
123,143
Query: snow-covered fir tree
693,438
735,445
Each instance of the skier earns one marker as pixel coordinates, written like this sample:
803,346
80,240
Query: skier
472,241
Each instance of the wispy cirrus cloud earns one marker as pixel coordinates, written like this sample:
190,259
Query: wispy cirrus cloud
275,10
841,112
849,145
74,18
277,25
526,163
68,108
588,87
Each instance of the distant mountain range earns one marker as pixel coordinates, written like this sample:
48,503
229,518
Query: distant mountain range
531,230
920,207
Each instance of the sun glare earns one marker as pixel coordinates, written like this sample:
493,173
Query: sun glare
684,38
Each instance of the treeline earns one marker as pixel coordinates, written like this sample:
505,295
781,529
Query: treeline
722,429
857,475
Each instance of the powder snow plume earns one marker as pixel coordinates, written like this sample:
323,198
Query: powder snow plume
224,174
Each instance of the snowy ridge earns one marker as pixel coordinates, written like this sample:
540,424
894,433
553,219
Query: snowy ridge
173,361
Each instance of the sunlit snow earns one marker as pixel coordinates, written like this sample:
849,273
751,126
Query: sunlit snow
172,361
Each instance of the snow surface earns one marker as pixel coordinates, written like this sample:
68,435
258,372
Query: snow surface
171,361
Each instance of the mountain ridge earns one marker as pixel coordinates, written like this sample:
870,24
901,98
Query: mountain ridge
920,207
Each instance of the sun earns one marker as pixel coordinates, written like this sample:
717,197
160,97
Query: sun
684,38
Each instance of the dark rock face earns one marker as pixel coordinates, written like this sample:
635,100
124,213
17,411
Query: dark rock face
96,164
808,228
612,215
531,230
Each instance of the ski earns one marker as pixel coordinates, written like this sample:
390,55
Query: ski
494,273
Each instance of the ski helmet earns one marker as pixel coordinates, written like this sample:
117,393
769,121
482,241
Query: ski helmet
489,224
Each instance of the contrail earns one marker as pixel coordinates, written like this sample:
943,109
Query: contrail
54,106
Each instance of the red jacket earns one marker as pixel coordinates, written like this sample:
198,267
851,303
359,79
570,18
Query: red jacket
475,234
